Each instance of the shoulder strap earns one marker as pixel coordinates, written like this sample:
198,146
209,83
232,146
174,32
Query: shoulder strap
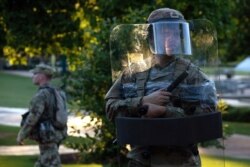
141,79
52,91
181,65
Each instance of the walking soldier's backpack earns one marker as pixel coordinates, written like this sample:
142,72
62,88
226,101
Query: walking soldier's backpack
60,116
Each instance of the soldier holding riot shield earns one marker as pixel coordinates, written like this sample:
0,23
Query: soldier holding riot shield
157,74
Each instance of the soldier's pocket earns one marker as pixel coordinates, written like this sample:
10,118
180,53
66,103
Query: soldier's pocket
47,132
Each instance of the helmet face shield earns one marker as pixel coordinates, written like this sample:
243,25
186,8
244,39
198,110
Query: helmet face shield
170,38
132,45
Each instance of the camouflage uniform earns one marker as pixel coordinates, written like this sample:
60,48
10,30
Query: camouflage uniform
41,110
123,100
194,95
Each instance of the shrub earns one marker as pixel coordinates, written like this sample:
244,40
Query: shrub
237,114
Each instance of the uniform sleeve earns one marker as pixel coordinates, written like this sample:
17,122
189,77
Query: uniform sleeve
116,105
202,89
36,109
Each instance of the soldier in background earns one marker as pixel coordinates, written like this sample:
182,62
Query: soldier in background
143,94
38,124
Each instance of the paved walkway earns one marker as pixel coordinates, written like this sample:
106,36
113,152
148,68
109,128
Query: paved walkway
19,72
30,150
236,146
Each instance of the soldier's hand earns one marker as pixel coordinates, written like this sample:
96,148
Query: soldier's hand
155,111
159,97
19,140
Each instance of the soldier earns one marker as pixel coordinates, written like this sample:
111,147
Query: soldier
38,125
143,94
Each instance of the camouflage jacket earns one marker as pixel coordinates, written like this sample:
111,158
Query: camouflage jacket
195,91
40,109
197,94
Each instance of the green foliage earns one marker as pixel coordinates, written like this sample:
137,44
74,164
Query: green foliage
34,28
237,114
87,86
238,127
24,27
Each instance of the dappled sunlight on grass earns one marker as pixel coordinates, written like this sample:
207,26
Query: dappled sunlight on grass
212,161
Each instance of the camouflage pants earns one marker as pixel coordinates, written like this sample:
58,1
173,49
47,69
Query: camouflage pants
133,163
49,156
170,159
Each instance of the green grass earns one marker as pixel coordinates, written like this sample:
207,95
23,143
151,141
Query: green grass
17,161
28,161
207,161
8,136
16,91
212,161
239,127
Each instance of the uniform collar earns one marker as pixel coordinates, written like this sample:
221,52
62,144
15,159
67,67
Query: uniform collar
45,86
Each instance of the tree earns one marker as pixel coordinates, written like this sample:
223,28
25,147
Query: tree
40,28
88,85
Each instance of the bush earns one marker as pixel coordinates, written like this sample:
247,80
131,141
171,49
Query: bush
237,114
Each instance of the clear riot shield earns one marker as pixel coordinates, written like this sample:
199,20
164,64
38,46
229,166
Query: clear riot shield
133,51
129,49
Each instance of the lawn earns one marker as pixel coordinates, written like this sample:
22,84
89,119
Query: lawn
239,127
207,161
212,161
16,91
8,136
28,161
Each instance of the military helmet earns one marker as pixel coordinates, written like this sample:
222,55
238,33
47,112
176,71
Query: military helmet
43,68
164,14
168,33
